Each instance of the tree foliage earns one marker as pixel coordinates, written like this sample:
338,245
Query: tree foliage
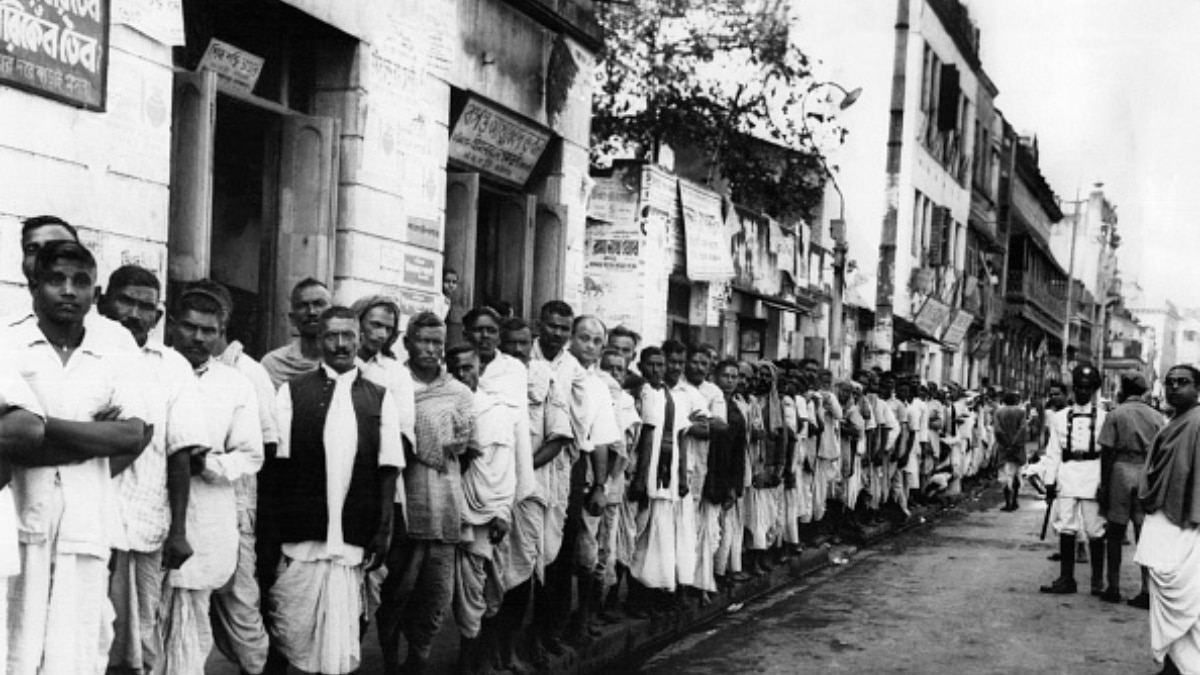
721,77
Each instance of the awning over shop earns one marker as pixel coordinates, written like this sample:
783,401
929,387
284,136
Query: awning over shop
777,302
903,328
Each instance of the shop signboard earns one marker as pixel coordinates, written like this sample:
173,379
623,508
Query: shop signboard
497,142
958,328
58,50
706,245
932,316
234,66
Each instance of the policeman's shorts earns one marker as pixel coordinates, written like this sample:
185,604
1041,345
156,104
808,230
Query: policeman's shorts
1073,515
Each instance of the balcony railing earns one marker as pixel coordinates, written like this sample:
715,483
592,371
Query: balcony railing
1048,298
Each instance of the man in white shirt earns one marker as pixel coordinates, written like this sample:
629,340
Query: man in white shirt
22,429
308,300
1073,480
152,491
38,231
59,619
710,418
239,620
340,438
230,413
587,405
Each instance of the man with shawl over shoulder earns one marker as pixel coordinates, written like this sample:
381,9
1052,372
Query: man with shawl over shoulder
339,438
1169,547
308,300
420,582
766,455
538,520
490,480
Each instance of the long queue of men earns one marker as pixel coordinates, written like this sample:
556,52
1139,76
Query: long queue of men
169,500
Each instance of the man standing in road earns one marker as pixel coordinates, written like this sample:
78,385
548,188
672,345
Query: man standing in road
1010,439
1125,441
1073,480
1169,548
340,439
308,300
152,492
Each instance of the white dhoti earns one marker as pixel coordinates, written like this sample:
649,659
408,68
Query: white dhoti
519,554
853,484
806,503
708,540
733,531
134,589
188,633
759,517
627,532
654,557
315,611
606,538
1171,554
792,509
685,541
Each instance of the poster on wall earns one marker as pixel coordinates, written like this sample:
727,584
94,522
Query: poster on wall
612,284
706,247
496,141
958,328
58,50
932,316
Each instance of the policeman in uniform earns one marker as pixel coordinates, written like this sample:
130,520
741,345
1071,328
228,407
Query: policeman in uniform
1073,479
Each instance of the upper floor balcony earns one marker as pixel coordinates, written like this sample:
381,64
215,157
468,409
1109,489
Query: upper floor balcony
1046,300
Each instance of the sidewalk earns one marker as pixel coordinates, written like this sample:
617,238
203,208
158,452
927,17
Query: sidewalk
623,642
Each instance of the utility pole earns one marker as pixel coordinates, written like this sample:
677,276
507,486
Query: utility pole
1066,339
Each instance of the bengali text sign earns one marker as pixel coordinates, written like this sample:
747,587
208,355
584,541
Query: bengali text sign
56,48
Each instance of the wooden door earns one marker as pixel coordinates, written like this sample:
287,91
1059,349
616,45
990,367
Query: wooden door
192,135
305,214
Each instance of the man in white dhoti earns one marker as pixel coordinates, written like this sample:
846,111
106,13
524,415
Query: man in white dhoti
617,535
540,518
710,419
152,492
724,482
340,439
1073,480
22,430
1169,547
59,618
691,404
660,480
500,383
230,413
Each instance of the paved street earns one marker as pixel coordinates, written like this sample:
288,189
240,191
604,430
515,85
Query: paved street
957,596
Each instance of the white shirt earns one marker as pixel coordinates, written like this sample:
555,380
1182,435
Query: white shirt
171,400
93,378
918,419
340,436
397,379
230,412
1078,479
14,393
569,377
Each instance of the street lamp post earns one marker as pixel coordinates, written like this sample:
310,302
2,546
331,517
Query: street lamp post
837,229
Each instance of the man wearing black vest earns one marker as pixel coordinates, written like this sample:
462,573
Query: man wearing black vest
340,438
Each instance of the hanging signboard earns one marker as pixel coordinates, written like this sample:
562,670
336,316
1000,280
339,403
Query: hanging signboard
498,142
234,66
958,328
706,246
932,316
58,50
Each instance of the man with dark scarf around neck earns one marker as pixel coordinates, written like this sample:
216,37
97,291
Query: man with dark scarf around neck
1169,547
1073,480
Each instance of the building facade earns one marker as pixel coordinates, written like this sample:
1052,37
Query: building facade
368,145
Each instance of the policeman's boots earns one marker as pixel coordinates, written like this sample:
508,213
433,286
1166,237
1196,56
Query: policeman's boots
1065,583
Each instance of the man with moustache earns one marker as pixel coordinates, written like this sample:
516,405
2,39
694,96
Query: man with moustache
724,482
58,607
152,492
709,419
341,440
309,299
